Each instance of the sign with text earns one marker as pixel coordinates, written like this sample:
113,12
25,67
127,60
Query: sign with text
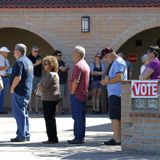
144,89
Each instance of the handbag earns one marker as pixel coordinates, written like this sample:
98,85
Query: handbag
1,84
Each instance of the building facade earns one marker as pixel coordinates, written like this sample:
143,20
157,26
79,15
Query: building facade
127,26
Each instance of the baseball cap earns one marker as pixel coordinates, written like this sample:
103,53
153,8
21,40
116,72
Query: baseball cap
154,49
57,53
106,51
4,49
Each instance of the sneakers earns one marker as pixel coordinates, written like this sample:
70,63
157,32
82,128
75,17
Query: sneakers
75,141
20,140
112,142
17,140
50,142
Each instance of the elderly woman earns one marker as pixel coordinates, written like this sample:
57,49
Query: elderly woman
50,95
152,70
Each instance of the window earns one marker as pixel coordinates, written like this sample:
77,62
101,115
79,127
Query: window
85,24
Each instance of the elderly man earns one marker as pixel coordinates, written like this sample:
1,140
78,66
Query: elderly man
4,66
21,88
79,92
37,64
117,73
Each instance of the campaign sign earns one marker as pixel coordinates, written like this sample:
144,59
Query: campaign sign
144,89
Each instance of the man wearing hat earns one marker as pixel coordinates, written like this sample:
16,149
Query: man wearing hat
4,66
152,70
117,73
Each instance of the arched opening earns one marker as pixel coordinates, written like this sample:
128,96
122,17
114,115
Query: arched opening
11,36
137,45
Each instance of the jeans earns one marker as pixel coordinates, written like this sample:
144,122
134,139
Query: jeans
79,117
2,93
19,109
49,109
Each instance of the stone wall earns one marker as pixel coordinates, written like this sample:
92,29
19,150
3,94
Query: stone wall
140,127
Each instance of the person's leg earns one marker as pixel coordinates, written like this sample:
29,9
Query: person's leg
31,103
19,106
114,104
49,108
78,114
37,99
116,126
94,91
99,91
2,94
27,132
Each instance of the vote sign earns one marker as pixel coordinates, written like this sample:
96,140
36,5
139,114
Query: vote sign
144,89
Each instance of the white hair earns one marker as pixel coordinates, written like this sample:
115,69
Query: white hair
144,58
22,48
80,50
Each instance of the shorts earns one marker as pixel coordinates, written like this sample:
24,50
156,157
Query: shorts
114,107
96,85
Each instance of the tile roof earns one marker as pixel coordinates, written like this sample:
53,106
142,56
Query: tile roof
77,3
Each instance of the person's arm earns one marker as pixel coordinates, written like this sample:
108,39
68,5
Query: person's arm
146,74
38,62
74,86
76,79
45,82
15,82
92,72
3,68
115,79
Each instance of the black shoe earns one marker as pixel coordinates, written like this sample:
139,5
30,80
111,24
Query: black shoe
75,141
27,138
3,112
17,140
112,142
50,142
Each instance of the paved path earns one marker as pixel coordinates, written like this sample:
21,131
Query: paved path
98,130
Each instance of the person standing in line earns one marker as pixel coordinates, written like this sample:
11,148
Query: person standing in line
63,76
4,66
97,71
129,66
78,86
145,61
152,70
21,89
37,64
50,95
117,73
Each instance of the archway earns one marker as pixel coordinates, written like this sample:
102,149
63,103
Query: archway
137,45
10,36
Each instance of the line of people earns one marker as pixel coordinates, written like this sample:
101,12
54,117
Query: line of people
49,86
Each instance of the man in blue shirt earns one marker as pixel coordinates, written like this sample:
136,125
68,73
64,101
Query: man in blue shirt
117,73
21,88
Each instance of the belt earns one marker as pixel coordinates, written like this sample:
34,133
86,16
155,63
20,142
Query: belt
4,76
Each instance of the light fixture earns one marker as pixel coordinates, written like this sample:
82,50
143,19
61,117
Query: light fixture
85,24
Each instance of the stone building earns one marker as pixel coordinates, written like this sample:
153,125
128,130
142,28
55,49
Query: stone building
129,26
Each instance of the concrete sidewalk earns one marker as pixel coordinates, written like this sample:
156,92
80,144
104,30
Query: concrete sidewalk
98,130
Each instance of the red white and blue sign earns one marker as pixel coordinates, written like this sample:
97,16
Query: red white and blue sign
144,89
